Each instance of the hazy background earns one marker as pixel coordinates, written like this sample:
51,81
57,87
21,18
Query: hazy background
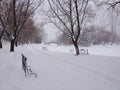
101,19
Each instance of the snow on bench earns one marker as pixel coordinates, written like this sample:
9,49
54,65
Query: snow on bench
84,52
44,48
27,69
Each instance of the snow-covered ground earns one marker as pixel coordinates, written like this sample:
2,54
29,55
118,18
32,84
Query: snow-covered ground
59,69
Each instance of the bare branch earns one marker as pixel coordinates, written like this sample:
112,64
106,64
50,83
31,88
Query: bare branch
58,16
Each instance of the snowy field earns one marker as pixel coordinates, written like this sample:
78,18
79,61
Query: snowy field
59,69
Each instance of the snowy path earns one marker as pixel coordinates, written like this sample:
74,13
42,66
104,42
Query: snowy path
63,71
58,58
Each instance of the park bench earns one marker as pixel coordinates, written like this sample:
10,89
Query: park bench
27,69
44,48
84,52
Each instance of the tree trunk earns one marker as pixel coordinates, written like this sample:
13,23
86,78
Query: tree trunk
16,43
12,45
1,39
0,44
76,48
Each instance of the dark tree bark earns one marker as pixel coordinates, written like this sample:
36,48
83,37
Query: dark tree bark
1,44
76,47
1,39
14,27
16,43
12,45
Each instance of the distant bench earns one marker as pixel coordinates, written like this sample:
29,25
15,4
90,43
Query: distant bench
84,52
44,48
71,50
27,69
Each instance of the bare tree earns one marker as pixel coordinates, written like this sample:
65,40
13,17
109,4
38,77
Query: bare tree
1,35
14,15
28,33
69,17
114,7
114,13
1,30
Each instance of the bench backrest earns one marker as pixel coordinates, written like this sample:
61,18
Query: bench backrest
24,62
84,51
